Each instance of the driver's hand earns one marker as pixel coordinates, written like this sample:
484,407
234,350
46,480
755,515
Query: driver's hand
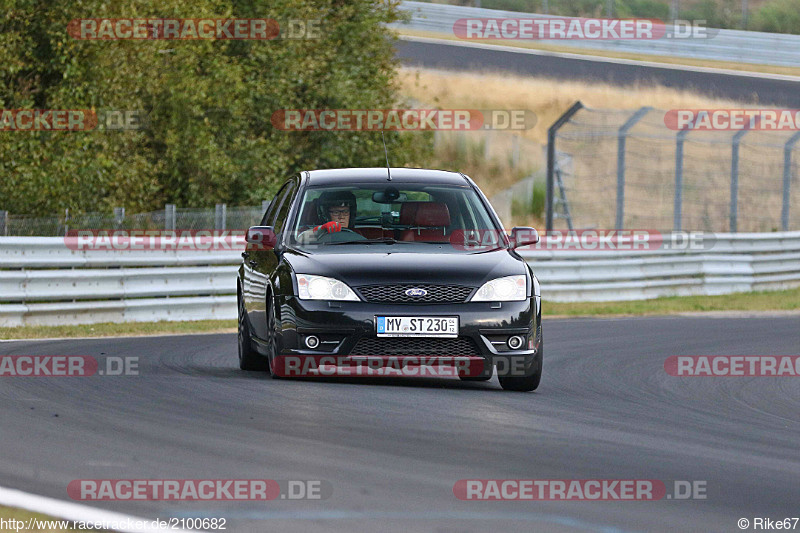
330,227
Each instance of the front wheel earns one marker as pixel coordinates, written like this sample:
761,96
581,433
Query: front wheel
525,383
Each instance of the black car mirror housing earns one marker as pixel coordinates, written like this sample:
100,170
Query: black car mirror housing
262,237
522,235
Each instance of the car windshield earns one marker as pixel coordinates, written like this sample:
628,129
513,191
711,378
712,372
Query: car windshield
381,213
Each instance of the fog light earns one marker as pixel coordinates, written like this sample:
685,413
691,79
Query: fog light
515,342
312,341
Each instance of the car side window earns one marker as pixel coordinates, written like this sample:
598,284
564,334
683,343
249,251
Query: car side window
283,211
269,215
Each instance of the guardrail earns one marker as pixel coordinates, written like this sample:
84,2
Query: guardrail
736,262
725,45
43,282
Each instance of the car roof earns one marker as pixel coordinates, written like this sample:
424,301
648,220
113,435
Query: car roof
342,176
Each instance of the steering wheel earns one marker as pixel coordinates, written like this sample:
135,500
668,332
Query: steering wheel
332,237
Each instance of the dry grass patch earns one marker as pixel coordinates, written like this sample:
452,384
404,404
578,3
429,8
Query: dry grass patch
547,98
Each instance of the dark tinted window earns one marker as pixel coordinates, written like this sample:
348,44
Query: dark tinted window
269,215
284,207
409,212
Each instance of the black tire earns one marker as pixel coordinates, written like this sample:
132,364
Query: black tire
485,375
525,383
249,359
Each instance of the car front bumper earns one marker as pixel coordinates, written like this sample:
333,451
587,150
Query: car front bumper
345,328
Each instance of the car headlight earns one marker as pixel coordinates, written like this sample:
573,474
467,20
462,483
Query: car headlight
507,289
322,288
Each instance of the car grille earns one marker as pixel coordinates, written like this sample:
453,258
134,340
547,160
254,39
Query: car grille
396,294
412,346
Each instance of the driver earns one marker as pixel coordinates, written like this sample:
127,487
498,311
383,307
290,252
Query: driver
335,211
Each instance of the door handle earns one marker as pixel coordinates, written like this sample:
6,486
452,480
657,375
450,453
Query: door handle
253,263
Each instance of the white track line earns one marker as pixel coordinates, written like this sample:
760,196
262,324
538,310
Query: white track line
600,59
71,511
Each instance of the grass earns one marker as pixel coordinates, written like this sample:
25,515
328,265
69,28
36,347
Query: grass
493,172
547,98
126,329
12,513
788,300
670,60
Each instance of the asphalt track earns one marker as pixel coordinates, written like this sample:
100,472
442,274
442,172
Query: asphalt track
768,90
392,449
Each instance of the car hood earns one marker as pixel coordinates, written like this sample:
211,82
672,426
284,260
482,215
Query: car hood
372,267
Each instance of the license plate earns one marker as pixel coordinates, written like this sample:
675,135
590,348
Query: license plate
417,326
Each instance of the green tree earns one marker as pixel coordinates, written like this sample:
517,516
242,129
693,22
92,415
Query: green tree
208,103
778,16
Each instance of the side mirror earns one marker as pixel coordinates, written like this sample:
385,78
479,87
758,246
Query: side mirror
521,235
261,237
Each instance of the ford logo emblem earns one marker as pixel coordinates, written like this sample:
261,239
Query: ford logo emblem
416,292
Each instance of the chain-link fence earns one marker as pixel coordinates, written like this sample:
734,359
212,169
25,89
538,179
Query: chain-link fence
171,218
628,169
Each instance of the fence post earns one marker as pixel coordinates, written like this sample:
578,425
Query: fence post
734,209
551,159
119,215
678,206
169,217
622,135
745,13
220,216
4,223
787,178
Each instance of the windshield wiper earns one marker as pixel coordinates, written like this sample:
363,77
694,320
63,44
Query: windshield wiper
367,241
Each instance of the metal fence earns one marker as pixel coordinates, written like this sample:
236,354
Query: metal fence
627,169
44,282
171,217
721,45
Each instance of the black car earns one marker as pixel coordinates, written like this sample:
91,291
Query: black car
375,266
